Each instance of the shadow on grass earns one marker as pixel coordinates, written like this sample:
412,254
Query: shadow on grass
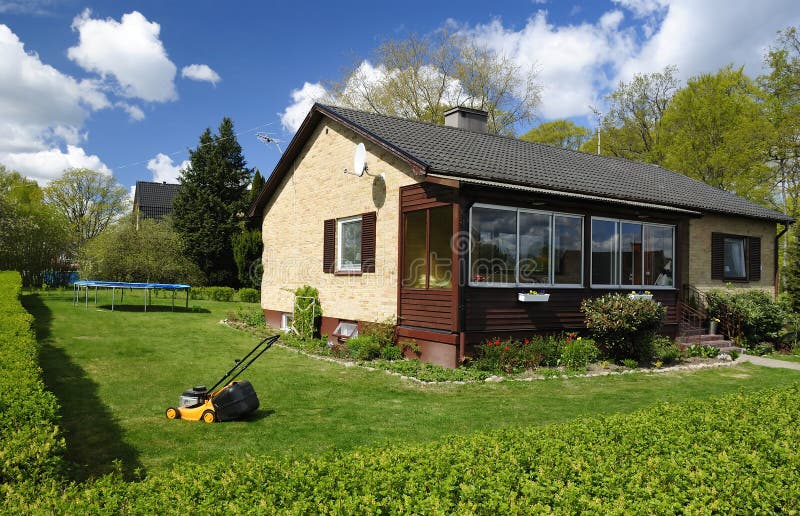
94,440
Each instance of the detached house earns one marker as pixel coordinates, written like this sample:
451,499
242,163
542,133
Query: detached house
443,227
153,200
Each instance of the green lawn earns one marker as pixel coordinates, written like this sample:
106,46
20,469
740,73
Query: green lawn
115,373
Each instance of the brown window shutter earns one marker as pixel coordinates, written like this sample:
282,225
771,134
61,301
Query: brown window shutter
754,254
368,221
717,256
329,246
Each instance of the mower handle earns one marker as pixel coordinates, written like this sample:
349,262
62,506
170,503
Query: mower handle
243,363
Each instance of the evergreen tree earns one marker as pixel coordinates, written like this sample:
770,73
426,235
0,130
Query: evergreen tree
791,271
247,247
212,200
258,185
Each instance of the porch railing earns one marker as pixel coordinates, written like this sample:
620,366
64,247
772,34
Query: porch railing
692,313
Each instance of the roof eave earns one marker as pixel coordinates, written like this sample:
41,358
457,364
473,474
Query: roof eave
301,136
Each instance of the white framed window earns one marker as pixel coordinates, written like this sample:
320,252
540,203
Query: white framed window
348,244
287,319
521,247
631,254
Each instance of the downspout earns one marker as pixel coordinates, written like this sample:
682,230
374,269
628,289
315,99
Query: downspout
775,257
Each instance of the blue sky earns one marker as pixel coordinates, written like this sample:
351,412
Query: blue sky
111,86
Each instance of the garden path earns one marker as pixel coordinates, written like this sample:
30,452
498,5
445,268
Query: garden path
770,362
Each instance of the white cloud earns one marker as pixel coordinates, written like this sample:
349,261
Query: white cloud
302,100
572,60
135,113
701,37
46,165
163,170
642,8
41,109
200,72
129,51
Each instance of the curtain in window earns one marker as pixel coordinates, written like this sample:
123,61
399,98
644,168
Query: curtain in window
734,262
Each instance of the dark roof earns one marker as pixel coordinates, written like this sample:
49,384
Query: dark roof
458,153
155,199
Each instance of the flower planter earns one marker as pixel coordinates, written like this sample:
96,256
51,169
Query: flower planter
533,298
640,296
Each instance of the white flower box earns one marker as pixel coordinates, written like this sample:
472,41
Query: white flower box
533,298
640,296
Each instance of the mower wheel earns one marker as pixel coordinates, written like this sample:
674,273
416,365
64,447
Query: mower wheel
173,413
208,416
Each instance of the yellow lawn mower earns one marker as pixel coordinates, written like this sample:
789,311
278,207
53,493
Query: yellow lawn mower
233,401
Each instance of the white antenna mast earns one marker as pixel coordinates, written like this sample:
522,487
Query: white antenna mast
264,137
599,117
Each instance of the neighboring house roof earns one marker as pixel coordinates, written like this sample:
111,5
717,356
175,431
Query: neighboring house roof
154,199
504,161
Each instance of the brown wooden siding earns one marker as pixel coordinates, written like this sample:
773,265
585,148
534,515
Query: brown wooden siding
435,309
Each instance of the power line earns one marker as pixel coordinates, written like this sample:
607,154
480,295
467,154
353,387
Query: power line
199,146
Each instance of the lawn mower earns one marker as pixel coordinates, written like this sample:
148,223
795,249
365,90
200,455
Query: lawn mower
233,401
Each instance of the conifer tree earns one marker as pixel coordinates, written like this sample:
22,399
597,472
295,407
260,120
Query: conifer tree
213,199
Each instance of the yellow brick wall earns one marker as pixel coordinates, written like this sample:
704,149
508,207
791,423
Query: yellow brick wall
314,190
700,248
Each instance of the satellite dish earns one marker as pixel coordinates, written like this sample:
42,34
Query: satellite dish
360,160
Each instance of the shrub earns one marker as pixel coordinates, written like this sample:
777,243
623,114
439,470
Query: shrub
512,355
247,315
735,454
249,295
212,293
32,446
751,315
380,331
307,311
363,347
630,363
665,350
702,351
391,353
578,353
623,327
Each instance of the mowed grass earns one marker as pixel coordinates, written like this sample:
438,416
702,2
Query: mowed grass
115,373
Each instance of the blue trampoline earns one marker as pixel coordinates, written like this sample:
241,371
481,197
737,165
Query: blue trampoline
85,285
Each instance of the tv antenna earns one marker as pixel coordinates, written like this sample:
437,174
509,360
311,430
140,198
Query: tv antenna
264,137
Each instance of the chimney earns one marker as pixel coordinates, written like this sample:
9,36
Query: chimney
466,118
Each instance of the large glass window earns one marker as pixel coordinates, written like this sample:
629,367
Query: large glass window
604,252
427,249
534,247
349,251
567,250
494,245
511,246
734,258
632,253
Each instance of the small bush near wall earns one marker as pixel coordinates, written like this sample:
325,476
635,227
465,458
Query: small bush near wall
748,316
249,295
513,355
623,327
578,353
307,311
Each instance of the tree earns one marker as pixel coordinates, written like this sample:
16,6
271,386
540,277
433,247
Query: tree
247,247
631,126
559,133
791,271
421,77
34,237
153,253
256,186
89,200
212,200
715,130
782,105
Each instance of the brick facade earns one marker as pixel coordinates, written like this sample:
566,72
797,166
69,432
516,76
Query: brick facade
314,190
700,249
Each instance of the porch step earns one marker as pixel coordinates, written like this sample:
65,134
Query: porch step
703,339
728,349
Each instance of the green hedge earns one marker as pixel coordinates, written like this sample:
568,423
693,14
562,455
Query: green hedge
735,454
31,447
245,295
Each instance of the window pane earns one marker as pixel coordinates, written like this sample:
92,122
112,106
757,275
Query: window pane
658,255
441,250
604,252
493,238
534,247
567,242
631,253
734,258
414,249
350,235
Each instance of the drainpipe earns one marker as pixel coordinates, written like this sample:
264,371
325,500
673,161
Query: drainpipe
777,239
